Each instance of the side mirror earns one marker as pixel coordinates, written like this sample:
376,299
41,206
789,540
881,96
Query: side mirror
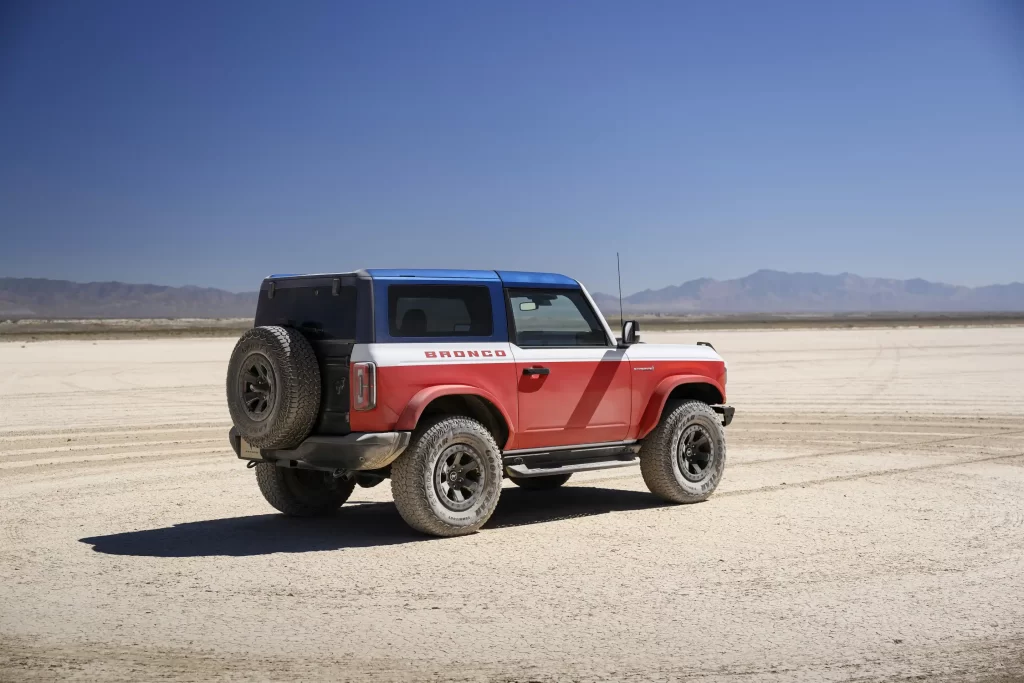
630,333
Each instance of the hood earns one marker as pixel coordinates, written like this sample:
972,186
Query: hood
673,352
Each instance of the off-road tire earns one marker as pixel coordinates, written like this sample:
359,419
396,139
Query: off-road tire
413,477
302,493
545,483
294,378
659,454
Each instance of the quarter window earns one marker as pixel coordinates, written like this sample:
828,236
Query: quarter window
439,311
554,317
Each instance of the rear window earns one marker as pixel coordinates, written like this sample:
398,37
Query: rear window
439,311
315,311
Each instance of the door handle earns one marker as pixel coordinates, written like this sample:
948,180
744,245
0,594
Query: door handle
536,371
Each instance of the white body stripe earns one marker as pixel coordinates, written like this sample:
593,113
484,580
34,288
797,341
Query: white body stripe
576,354
406,354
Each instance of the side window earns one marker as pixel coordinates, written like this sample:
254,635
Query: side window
554,317
439,311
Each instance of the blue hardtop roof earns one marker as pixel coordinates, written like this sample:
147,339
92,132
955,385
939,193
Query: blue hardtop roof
516,277
432,274
506,277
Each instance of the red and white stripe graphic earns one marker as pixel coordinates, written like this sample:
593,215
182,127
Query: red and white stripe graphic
548,396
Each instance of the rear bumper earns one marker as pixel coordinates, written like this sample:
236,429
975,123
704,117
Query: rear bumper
727,413
356,451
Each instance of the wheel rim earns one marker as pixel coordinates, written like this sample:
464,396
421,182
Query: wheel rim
256,387
695,453
459,477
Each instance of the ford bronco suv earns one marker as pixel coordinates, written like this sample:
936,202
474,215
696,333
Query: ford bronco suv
449,381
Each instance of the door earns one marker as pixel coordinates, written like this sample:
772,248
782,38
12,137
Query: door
574,385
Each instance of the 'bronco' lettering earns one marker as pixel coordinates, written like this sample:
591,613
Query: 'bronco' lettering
481,353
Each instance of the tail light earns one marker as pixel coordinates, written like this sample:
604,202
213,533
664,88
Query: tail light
364,386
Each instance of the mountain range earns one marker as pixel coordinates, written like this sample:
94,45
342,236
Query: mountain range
772,291
40,298
766,291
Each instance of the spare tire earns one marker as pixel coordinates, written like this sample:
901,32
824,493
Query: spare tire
273,387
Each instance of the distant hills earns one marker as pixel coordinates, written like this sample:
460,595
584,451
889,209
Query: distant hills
766,291
772,291
40,298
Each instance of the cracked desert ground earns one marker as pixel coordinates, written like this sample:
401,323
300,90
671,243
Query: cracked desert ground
869,527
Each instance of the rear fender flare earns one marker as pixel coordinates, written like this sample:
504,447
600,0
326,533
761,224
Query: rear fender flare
410,417
652,414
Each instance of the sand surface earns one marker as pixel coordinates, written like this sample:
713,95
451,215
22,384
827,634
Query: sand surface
869,527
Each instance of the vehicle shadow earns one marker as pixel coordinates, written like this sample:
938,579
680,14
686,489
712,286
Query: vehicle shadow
358,525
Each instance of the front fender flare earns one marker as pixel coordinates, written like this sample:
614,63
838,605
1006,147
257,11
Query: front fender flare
656,404
410,417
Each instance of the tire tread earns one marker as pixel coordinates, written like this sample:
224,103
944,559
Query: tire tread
658,453
286,493
408,473
298,386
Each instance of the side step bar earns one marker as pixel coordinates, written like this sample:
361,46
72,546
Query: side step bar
524,471
541,462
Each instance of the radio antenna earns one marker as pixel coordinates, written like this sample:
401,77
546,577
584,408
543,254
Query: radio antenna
618,267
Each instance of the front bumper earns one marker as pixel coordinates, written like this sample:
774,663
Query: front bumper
353,452
727,413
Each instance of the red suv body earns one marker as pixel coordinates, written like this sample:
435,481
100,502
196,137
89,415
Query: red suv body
526,355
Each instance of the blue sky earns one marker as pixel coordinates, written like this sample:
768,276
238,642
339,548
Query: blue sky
214,143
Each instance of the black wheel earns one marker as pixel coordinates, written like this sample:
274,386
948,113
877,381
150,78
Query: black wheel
551,481
683,459
448,481
273,387
302,493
